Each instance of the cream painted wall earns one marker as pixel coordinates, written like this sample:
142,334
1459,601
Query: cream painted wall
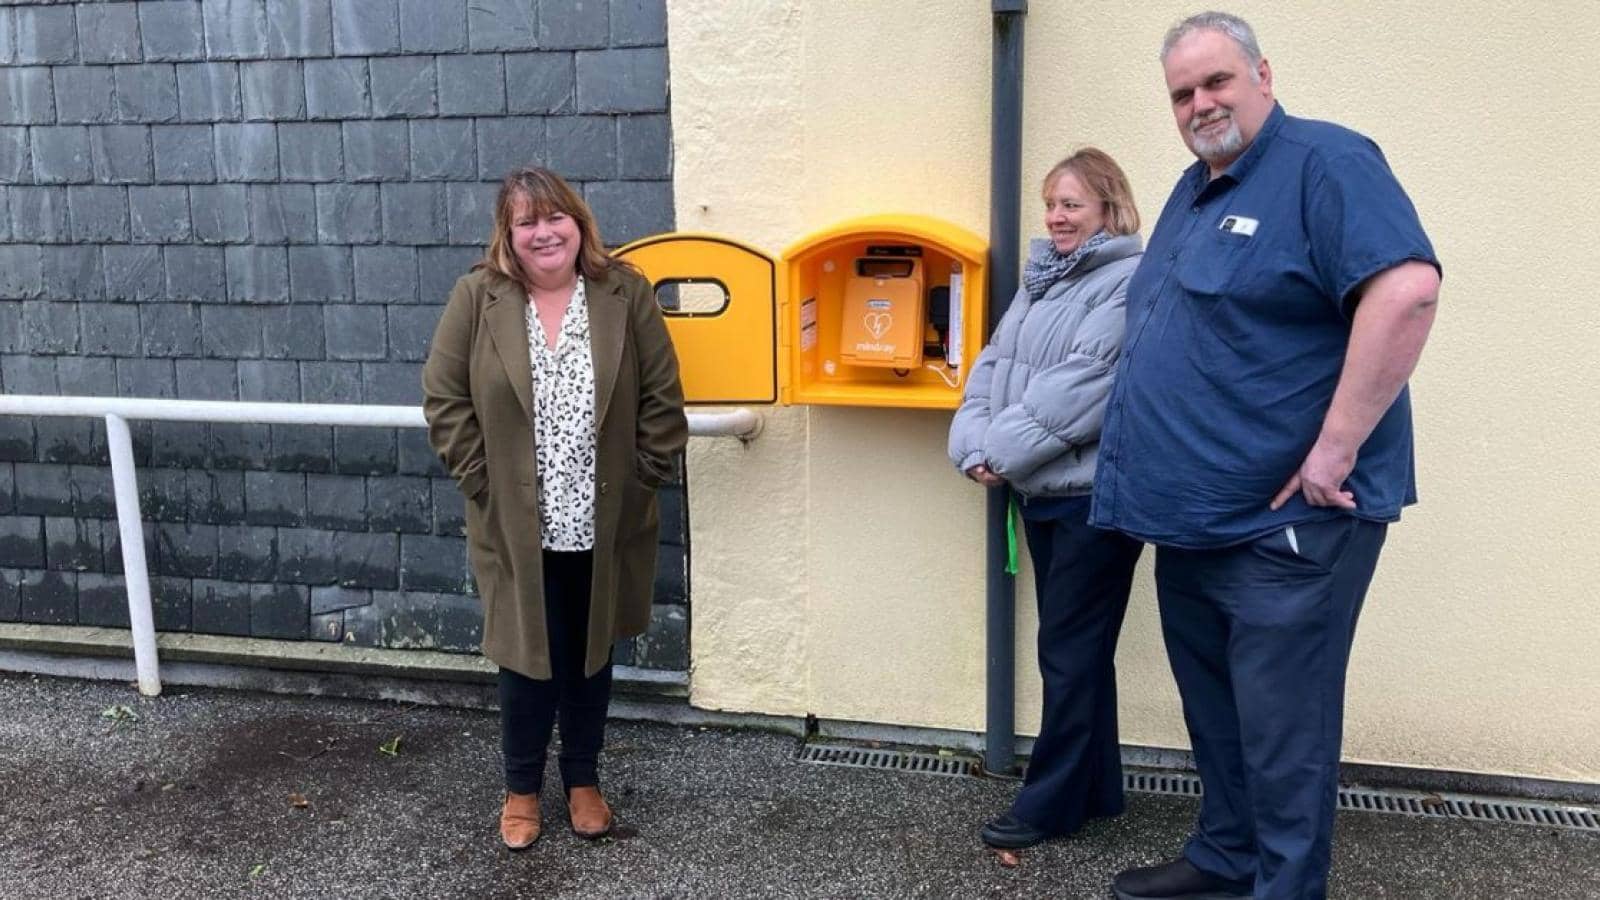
837,564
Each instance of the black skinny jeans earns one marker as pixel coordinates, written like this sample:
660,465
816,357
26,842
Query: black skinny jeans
529,707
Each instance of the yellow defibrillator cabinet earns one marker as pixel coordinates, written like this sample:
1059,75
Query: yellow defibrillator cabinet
880,311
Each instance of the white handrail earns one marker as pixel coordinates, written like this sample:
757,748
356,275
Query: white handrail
251,413
743,424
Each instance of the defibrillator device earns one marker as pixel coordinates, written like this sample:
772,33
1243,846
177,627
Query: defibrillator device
884,318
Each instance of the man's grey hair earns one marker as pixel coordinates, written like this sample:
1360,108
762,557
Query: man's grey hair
1227,23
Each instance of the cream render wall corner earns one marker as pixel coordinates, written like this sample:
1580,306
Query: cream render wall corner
837,561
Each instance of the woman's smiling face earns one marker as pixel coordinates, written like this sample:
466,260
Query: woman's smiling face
546,245
1072,214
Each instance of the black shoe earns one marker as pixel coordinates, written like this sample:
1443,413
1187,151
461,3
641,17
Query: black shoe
1011,833
1176,880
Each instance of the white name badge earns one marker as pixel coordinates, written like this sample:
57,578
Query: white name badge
1241,225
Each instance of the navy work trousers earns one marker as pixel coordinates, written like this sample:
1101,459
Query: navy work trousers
1083,575
529,707
1259,638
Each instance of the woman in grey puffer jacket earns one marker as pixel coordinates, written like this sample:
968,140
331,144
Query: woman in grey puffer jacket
1031,418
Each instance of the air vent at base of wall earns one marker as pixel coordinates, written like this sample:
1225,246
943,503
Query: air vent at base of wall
889,760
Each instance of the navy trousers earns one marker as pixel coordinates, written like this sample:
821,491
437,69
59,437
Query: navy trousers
1259,639
1083,575
529,707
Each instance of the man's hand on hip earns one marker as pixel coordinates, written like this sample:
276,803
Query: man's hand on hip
1391,324
1321,479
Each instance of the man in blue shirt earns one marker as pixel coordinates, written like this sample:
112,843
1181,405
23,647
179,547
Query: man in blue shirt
1259,434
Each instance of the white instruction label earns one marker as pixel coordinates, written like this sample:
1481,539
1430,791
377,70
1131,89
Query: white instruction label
952,346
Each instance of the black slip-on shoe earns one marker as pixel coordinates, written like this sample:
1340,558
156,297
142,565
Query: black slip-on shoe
1175,880
1011,833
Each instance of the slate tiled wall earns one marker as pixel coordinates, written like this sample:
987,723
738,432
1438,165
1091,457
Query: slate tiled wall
268,200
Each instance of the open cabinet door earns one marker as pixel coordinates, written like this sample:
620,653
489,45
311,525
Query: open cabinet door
720,300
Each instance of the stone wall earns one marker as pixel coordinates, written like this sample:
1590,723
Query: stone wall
268,200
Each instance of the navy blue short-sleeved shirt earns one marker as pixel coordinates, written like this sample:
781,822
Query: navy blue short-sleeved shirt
1238,320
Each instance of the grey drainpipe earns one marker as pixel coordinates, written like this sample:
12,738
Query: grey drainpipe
1005,214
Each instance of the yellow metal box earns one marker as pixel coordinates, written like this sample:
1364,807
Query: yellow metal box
802,329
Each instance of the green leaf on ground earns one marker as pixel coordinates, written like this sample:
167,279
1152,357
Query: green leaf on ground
391,747
119,715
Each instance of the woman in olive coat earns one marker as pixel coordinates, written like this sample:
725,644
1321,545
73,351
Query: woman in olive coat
552,396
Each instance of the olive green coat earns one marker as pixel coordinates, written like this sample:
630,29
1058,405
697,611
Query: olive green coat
478,399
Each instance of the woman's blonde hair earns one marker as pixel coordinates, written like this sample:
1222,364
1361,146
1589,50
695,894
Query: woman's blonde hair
545,192
1102,177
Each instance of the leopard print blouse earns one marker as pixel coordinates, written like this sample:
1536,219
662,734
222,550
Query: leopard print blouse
564,426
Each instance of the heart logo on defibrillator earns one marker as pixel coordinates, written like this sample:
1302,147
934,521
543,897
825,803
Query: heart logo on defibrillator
878,324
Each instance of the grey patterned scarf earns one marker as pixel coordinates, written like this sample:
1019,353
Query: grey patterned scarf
1046,265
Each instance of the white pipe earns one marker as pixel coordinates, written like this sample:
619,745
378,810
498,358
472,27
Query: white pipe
129,523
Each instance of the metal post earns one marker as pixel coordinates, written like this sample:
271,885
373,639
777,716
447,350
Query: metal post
141,620
1005,215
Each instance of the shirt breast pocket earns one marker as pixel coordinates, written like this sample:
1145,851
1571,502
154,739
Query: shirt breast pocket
1218,274
1212,274
1215,264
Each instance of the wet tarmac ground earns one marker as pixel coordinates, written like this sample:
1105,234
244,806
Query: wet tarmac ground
208,793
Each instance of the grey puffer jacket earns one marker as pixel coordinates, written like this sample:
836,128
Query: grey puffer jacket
1036,397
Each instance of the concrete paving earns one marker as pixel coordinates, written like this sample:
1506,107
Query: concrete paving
212,793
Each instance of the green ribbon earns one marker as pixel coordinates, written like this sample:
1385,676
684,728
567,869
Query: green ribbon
1011,535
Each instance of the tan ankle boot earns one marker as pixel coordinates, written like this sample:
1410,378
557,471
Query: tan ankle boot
519,820
591,816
